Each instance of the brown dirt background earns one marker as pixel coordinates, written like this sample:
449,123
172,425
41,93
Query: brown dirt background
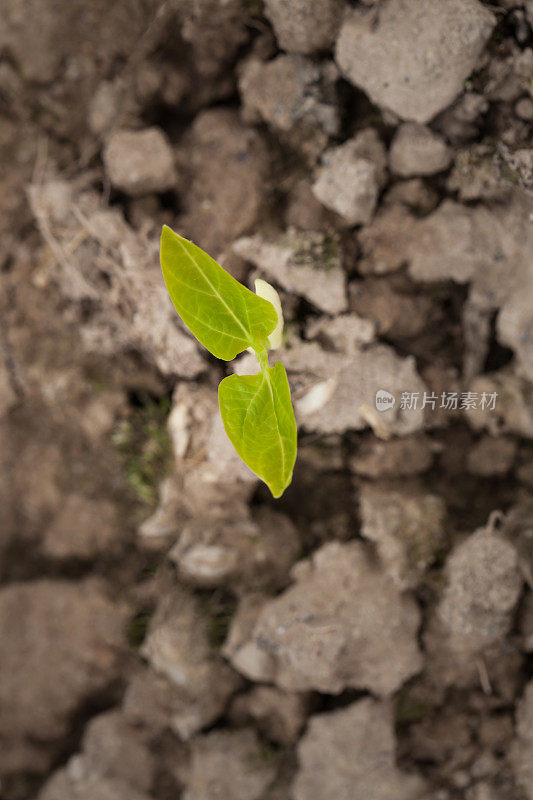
394,662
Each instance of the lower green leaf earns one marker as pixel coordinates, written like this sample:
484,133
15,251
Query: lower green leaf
259,420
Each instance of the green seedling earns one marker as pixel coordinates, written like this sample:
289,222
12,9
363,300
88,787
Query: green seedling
227,318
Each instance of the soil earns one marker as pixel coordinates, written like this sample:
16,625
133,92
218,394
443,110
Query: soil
167,629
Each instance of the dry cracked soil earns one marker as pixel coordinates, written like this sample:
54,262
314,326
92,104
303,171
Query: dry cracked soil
168,631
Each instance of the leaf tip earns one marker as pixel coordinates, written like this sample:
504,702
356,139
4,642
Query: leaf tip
278,492
165,231
166,237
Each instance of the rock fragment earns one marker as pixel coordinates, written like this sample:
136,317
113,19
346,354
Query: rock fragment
105,107
114,748
229,764
115,764
524,109
223,164
477,176
403,457
41,43
385,239
455,242
345,333
484,584
279,715
84,528
507,77
488,247
331,388
240,648
305,26
308,264
350,177
303,211
458,258
465,638
515,323
140,162
291,92
215,32
492,456
519,162
113,271
60,644
237,551
512,409
524,471
407,528
177,647
522,748
416,150
333,628
349,754
69,784
463,120
159,704
8,397
418,80
414,194
441,737
396,314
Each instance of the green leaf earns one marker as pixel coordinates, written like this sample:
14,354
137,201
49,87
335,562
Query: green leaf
259,421
228,318
224,315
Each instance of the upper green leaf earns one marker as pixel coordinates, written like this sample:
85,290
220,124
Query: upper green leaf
259,421
224,315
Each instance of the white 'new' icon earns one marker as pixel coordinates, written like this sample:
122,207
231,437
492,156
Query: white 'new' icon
384,400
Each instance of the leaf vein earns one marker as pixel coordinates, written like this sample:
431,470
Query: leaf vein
237,320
